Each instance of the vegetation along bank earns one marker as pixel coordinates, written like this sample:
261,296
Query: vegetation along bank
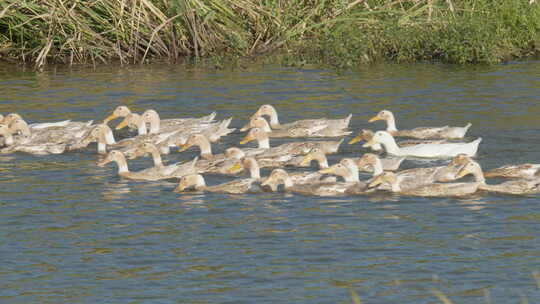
338,33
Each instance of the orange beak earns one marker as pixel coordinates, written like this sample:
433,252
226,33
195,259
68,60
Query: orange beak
246,139
356,139
109,118
123,124
374,118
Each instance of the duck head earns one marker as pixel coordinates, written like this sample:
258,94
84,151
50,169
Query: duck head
191,181
120,111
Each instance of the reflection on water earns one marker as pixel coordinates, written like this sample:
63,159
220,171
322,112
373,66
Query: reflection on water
74,232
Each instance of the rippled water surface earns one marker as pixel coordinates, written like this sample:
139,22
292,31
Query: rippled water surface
72,232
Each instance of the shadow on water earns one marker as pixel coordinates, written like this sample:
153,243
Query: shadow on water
73,232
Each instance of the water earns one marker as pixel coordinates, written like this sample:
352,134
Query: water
75,233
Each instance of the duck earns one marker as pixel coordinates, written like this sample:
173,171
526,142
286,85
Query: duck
214,132
421,132
157,125
426,190
321,188
277,156
264,160
367,135
370,162
102,134
415,177
237,186
444,150
346,168
297,177
38,149
387,164
170,171
149,174
295,148
133,121
527,170
119,112
295,131
68,125
53,133
52,140
520,186
270,111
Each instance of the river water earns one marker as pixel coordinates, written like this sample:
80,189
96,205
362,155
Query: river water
72,232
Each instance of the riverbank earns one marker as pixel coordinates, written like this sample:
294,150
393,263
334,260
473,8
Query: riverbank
328,32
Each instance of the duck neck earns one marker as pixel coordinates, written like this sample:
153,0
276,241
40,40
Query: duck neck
377,167
109,137
200,184
264,143
8,139
266,127
274,121
479,176
156,156
322,161
287,182
351,175
391,124
24,129
122,165
395,186
102,143
255,171
101,147
141,127
391,146
154,124
206,148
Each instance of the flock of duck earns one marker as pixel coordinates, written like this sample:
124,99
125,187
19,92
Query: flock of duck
156,136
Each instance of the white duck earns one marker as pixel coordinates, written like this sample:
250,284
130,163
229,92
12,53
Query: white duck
421,132
158,125
444,150
270,111
150,174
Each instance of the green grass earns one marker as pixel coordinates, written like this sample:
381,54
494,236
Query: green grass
335,33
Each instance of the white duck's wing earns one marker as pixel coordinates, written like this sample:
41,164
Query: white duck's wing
445,150
44,125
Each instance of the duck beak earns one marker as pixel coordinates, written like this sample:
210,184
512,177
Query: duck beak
374,118
355,140
184,147
245,128
369,144
109,118
236,168
463,172
123,124
267,182
246,139
377,181
328,170
180,188
103,162
306,160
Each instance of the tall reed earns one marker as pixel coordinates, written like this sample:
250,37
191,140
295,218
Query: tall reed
333,32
